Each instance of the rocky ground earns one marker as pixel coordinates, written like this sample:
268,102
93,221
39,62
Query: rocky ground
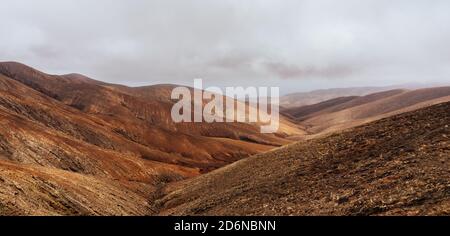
71,145
395,166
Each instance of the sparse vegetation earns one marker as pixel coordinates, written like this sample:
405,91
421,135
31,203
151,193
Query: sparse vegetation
70,145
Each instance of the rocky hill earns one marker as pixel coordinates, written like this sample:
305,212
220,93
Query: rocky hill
394,166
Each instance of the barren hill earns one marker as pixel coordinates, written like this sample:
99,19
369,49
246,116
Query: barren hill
135,118
394,166
73,145
303,112
317,96
346,112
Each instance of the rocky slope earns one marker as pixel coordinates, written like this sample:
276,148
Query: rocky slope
132,119
395,166
73,145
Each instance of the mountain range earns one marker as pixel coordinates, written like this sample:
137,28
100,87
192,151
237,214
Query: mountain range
72,145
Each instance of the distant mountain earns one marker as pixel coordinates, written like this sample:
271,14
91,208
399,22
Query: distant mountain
317,96
360,110
395,166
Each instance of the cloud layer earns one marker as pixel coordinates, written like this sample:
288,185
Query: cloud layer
293,44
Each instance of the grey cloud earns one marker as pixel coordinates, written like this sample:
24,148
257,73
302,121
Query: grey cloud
291,71
288,43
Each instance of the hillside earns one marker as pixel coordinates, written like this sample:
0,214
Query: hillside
37,190
395,166
131,119
346,112
72,145
317,96
303,112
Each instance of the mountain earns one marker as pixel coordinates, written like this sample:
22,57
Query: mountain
395,166
303,112
346,112
316,96
72,145
132,119
361,110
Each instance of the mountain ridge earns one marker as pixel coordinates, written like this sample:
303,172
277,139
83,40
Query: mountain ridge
72,145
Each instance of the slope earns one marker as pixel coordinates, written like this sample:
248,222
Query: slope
316,96
136,119
373,107
395,166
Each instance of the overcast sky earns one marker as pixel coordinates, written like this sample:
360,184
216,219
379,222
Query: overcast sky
297,45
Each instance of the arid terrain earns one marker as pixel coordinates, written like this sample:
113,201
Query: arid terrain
396,166
70,125
346,112
72,145
317,96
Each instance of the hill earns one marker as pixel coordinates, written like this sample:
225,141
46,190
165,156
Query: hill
346,112
316,96
71,145
137,119
395,166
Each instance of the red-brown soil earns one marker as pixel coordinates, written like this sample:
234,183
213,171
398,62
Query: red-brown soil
71,145
346,112
110,140
395,166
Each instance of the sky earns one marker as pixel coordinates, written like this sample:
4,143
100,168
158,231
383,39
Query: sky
298,45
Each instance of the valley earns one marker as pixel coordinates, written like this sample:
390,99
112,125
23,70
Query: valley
72,145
